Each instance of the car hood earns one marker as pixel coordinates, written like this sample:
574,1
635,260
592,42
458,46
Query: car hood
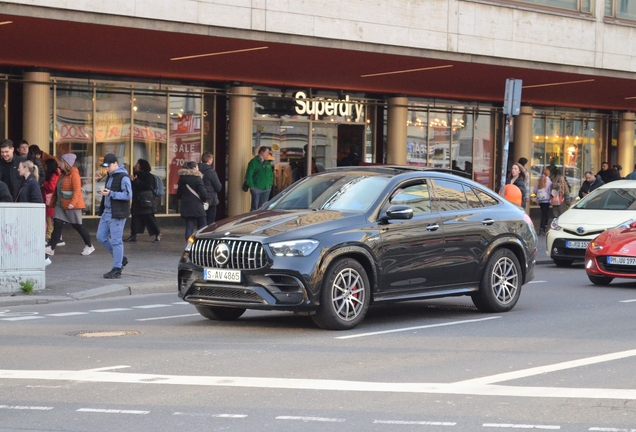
618,241
283,225
594,220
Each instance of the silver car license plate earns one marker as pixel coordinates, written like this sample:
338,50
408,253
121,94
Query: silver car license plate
575,244
222,275
629,261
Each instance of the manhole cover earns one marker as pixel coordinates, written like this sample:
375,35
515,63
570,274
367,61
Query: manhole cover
103,333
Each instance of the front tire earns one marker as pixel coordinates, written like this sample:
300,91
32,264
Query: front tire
344,297
501,282
219,313
562,262
600,280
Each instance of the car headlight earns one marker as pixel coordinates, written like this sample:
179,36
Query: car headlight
189,244
595,246
294,248
555,224
626,224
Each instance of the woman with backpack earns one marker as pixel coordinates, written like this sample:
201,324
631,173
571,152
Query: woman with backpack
144,206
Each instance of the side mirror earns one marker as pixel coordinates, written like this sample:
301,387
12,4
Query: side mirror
403,212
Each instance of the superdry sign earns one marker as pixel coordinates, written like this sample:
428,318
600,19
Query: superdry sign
329,107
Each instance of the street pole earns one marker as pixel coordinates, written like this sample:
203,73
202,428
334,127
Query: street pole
511,107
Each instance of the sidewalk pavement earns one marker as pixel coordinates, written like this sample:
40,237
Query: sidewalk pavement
152,268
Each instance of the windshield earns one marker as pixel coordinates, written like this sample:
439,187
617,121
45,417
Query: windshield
609,199
333,191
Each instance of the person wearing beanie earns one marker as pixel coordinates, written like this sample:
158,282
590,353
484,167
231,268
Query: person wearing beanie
68,203
114,210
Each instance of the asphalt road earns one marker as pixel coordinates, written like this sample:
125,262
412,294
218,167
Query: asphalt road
563,359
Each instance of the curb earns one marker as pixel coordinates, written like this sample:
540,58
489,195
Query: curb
107,291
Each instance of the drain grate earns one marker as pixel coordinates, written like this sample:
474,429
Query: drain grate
102,333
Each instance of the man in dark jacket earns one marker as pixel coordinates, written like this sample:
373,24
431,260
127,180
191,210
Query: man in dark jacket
212,185
9,167
608,175
591,182
23,152
114,209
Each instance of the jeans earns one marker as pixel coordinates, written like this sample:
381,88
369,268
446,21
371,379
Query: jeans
190,221
210,215
110,233
259,197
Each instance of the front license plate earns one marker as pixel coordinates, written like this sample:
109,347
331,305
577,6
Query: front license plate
576,244
629,261
222,275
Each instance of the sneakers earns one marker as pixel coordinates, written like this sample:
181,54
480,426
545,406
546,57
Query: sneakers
124,262
88,250
47,261
132,238
158,238
115,273
49,251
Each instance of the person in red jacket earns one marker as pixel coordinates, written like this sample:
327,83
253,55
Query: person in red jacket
48,189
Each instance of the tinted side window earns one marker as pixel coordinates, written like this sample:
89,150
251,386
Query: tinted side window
415,196
486,199
473,200
450,196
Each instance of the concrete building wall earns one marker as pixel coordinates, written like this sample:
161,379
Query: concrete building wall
468,27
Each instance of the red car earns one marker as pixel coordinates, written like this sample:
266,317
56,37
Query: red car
612,255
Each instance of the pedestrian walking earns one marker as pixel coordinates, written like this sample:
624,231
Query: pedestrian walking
9,167
560,187
68,203
522,162
192,193
517,178
51,178
543,190
212,185
5,195
114,210
259,177
144,205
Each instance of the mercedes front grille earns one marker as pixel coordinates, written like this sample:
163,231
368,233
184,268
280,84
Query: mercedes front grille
242,254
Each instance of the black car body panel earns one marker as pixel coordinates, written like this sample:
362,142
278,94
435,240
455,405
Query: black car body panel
441,251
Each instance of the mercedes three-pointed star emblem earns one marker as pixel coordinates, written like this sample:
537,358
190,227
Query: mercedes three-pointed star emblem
221,254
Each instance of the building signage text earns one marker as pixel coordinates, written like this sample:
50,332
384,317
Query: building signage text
330,107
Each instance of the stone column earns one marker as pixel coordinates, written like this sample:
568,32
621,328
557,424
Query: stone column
239,148
523,135
397,117
37,109
625,156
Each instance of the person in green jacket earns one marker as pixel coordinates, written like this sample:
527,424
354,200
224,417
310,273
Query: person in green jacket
259,177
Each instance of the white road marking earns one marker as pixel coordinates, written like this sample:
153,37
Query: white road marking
21,318
210,415
18,407
182,303
536,281
152,306
520,426
508,376
603,429
65,314
308,419
423,423
111,310
112,411
167,317
417,328
106,368
628,301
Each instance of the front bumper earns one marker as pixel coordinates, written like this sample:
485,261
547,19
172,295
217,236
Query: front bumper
556,247
265,289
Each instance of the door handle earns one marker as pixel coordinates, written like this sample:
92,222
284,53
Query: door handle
432,227
488,221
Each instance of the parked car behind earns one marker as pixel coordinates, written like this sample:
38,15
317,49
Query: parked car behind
335,242
606,207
